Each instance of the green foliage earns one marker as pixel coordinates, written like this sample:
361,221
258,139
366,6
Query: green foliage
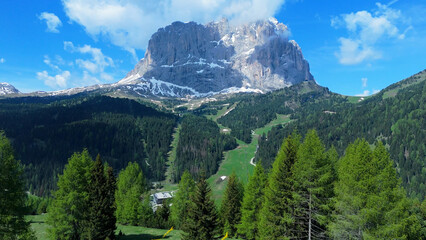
202,221
12,195
131,185
398,121
200,147
230,211
256,111
46,132
276,216
36,205
182,200
314,178
68,215
370,204
101,201
161,218
252,203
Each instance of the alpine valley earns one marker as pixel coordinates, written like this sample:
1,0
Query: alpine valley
215,99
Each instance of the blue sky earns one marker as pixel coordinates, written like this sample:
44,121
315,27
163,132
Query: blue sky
353,47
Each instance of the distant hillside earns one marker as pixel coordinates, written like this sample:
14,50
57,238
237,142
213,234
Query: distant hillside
45,132
395,116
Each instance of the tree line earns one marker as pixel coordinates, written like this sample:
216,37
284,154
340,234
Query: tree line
200,147
310,193
44,132
398,121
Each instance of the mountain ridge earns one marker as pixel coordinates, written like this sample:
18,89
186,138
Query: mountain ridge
190,60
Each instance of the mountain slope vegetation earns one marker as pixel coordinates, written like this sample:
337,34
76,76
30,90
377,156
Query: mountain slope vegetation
395,116
45,132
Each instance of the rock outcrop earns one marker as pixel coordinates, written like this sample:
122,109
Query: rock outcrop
219,57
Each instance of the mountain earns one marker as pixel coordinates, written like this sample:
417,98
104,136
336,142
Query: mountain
7,89
194,60
201,60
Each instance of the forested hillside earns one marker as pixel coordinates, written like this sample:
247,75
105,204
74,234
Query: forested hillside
395,116
200,146
256,111
45,132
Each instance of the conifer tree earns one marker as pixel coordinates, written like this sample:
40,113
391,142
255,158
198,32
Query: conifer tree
314,178
12,195
68,215
130,187
230,210
370,204
252,203
181,200
111,186
202,221
101,211
276,216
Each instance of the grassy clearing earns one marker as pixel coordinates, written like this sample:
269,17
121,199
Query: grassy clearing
142,233
220,113
354,99
238,160
40,227
167,184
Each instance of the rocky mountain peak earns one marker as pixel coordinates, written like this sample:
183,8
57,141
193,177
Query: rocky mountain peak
218,56
7,89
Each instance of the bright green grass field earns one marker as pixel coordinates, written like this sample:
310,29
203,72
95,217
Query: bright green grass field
238,160
129,232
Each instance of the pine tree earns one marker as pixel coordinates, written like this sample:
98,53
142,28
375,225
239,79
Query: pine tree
111,186
68,215
314,178
202,221
370,204
12,195
130,187
276,216
230,211
181,200
101,197
252,203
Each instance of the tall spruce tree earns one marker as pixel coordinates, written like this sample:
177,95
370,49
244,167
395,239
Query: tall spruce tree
12,195
111,186
314,178
131,185
68,215
202,221
370,204
252,203
230,211
101,197
276,216
182,200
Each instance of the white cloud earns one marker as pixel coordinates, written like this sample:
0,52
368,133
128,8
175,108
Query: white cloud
49,63
367,93
130,23
52,21
57,81
96,64
2,60
364,82
365,31
363,94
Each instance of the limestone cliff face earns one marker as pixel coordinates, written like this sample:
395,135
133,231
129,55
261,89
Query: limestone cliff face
218,56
